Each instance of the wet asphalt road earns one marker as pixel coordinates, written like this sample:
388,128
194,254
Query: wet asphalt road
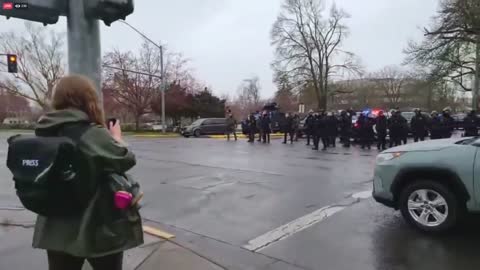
218,196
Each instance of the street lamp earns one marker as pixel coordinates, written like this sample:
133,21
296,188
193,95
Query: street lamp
162,71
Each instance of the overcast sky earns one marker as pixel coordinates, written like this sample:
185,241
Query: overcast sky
229,40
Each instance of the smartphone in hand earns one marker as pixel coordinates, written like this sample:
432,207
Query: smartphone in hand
111,122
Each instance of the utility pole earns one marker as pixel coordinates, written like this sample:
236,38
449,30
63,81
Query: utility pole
84,53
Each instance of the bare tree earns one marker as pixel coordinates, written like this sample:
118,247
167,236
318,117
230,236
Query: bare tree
391,81
40,63
308,46
285,97
134,91
249,94
449,50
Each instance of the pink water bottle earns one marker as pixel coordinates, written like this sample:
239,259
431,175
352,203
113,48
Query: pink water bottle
122,199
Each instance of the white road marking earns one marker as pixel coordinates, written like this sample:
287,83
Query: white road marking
300,224
362,195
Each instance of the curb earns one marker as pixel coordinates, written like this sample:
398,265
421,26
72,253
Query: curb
154,136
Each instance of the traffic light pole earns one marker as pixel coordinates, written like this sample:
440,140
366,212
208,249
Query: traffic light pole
84,52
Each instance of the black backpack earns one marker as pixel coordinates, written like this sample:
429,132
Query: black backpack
45,171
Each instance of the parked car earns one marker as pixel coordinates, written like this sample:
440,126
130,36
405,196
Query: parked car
432,183
205,126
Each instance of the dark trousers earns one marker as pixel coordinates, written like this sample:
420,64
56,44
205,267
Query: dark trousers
382,141
345,138
316,141
260,135
366,141
266,137
290,133
234,135
251,135
419,136
395,140
62,261
309,136
325,142
332,140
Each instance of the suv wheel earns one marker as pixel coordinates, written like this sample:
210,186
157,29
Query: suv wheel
196,133
430,206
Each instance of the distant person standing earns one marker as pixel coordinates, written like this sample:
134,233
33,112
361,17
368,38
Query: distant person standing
435,126
258,128
309,126
288,128
381,128
404,128
296,126
470,124
395,128
345,125
322,130
266,126
365,124
419,126
252,125
231,127
316,130
331,124
448,123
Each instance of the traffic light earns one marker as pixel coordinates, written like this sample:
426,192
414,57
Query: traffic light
44,11
108,10
12,63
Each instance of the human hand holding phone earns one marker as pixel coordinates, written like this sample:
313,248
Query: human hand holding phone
113,126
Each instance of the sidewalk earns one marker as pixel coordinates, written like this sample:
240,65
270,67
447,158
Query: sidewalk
16,230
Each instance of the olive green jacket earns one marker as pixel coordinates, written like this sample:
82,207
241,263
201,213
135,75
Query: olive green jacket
100,229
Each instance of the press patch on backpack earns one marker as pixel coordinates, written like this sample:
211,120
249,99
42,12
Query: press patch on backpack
30,162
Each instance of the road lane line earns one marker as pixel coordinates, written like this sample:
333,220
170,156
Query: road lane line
300,224
157,232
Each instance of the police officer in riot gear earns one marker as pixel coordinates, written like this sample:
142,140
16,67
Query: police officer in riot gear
266,124
316,129
447,123
309,126
395,128
365,123
381,128
470,123
345,125
331,124
252,126
418,126
288,128
435,126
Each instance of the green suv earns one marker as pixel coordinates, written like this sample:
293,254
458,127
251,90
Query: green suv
433,183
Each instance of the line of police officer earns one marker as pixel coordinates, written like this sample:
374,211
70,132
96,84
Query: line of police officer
324,126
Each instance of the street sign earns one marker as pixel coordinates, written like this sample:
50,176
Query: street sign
44,11
108,10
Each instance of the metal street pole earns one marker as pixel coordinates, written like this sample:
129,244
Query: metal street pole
162,71
84,53
162,89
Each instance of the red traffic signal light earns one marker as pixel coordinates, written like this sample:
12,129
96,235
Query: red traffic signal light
12,63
